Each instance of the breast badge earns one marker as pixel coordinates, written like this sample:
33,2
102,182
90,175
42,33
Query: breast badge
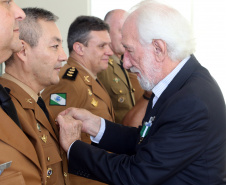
44,138
116,80
121,99
90,92
94,102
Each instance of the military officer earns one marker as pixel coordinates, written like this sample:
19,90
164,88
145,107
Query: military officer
88,43
122,86
29,71
119,87
18,160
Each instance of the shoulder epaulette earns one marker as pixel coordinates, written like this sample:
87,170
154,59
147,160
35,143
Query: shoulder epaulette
71,73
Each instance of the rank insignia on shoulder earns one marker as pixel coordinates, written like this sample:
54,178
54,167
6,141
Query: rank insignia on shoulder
94,102
58,99
71,73
110,61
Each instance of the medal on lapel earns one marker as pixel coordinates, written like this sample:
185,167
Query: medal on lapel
145,128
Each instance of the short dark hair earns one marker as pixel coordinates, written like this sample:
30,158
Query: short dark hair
81,27
30,30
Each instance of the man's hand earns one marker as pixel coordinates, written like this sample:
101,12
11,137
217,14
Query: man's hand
70,130
90,122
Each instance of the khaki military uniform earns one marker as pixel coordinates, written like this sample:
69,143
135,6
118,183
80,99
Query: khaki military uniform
16,147
119,88
78,89
43,148
138,93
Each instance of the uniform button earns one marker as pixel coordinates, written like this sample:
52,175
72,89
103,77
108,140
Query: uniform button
120,91
65,174
48,158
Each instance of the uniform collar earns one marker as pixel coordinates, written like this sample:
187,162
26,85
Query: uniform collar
22,85
90,73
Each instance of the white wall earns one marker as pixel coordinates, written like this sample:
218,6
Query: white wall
66,10
208,19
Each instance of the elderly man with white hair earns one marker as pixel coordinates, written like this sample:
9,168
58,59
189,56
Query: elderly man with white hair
183,137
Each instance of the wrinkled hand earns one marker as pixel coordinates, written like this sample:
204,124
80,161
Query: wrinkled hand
70,130
90,122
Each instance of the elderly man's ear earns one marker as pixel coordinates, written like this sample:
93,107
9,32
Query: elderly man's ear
160,49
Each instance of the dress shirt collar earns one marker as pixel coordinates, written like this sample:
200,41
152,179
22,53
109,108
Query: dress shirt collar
162,85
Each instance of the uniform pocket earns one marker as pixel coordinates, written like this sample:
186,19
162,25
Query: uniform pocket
12,178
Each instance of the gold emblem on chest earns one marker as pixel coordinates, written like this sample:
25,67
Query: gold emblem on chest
94,102
90,92
86,78
29,101
44,138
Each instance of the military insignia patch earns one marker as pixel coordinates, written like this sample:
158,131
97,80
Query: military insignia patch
58,99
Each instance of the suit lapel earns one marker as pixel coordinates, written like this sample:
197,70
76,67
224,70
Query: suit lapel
178,81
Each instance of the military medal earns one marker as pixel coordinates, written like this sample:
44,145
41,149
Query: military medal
145,129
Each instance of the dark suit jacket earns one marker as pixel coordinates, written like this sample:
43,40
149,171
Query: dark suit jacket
185,145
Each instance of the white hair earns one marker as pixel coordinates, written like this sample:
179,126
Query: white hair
159,21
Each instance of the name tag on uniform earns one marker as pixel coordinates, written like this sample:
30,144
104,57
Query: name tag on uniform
4,166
